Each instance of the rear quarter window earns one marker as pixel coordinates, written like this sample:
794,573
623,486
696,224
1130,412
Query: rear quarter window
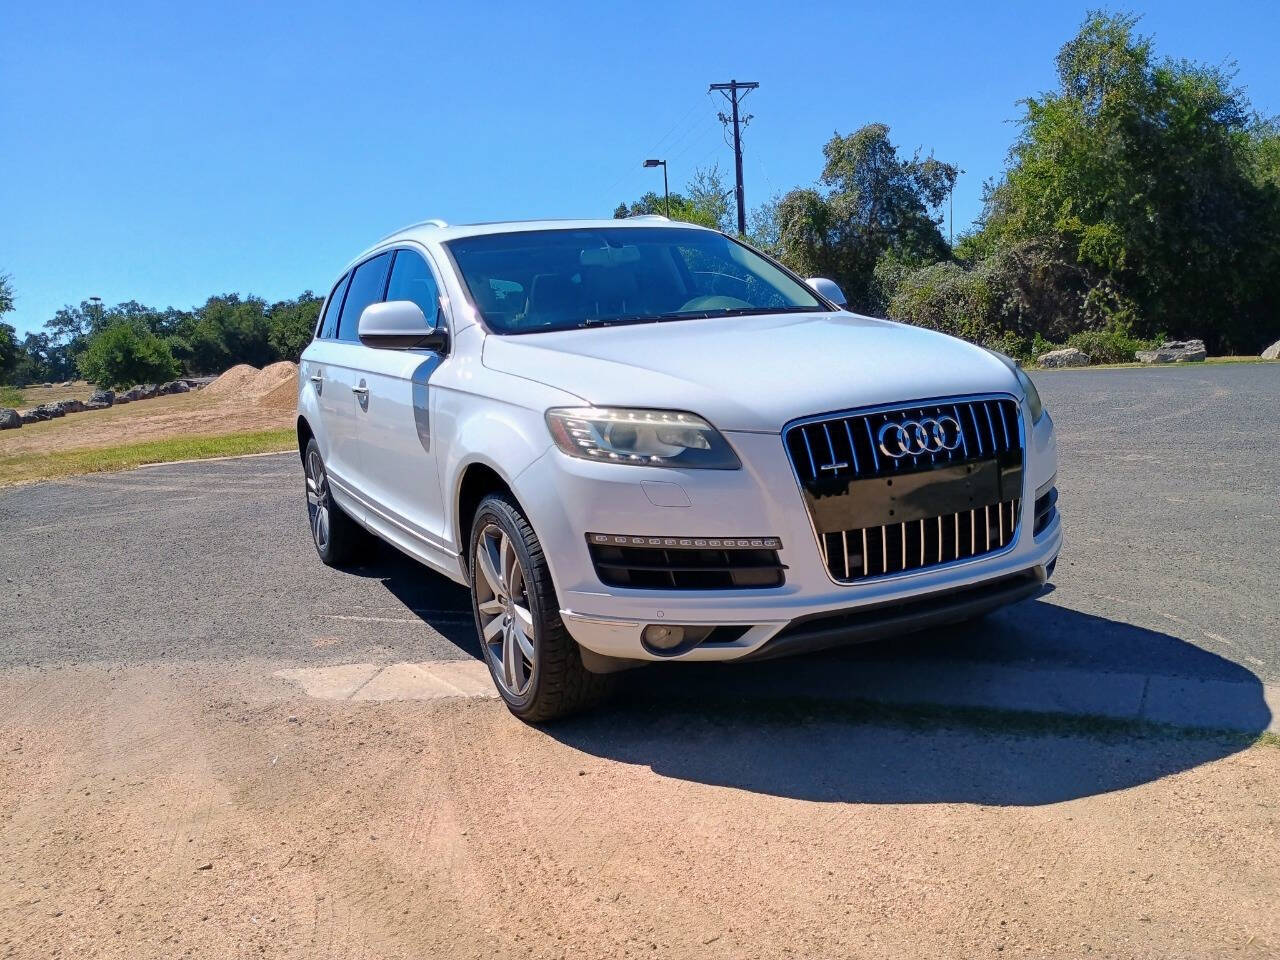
329,322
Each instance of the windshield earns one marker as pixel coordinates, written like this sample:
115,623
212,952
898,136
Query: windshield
540,280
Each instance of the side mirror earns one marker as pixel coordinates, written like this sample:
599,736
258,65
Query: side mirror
400,325
829,289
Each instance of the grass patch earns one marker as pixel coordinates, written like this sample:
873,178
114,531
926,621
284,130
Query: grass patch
33,395
33,467
1135,365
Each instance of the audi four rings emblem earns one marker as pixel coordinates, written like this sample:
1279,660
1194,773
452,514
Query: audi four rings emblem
913,438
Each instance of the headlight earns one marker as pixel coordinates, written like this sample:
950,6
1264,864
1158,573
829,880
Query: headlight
654,438
1024,381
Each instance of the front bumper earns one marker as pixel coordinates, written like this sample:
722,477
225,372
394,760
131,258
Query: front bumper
566,498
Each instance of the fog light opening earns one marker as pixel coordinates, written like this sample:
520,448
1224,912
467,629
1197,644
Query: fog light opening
669,638
663,636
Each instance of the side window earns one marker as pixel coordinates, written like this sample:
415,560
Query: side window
329,324
411,279
366,288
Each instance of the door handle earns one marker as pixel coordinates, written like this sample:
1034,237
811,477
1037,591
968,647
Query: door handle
317,378
360,391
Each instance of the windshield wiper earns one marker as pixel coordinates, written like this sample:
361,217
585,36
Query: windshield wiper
692,315
641,318
761,311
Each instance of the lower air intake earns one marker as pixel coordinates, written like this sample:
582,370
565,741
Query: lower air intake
853,555
658,563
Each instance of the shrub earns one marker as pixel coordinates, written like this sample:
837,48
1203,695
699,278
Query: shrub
124,354
947,297
1114,343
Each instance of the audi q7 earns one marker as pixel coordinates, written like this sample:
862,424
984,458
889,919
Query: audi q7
637,440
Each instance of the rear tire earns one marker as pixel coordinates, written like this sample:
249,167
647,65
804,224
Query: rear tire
535,664
338,539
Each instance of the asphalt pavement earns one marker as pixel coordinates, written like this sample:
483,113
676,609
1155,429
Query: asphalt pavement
1170,495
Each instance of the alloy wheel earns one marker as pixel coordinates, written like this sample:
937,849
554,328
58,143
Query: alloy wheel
318,500
506,623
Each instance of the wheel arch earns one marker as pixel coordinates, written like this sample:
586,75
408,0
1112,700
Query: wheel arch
476,480
305,433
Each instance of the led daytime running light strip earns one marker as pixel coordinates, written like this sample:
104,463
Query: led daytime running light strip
688,543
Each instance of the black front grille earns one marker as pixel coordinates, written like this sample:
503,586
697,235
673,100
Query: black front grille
685,568
876,514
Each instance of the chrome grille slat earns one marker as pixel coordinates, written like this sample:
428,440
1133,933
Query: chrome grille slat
813,464
829,459
853,447
991,427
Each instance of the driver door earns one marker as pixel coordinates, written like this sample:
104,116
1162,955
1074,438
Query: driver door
397,449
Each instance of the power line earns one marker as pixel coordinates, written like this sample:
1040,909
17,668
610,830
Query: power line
695,121
672,128
685,129
735,93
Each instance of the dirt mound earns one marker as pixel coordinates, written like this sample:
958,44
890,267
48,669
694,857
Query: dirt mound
234,381
283,397
247,381
272,376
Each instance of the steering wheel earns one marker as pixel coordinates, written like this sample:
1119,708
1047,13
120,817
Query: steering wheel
713,302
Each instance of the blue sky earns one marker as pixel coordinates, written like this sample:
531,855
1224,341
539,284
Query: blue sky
167,151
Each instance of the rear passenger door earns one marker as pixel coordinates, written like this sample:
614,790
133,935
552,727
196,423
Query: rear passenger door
343,398
320,365
397,450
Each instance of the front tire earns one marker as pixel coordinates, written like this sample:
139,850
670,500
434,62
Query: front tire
535,664
338,539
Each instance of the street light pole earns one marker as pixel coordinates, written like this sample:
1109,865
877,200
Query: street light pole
666,194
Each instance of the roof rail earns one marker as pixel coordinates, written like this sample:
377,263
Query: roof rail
433,222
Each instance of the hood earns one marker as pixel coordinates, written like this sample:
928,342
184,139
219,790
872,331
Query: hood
753,373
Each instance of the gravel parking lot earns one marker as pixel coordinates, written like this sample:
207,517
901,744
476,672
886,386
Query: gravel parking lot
169,792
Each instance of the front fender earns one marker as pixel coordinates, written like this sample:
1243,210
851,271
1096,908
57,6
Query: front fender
309,410
503,437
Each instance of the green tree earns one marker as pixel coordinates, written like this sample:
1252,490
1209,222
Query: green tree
875,204
292,324
9,352
42,360
706,201
126,353
225,331
1156,175
650,204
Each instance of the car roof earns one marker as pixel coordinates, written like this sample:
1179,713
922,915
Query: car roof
437,231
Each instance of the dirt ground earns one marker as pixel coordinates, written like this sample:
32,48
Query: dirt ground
264,400
214,811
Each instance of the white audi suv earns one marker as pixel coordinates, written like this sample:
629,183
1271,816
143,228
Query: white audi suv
638,440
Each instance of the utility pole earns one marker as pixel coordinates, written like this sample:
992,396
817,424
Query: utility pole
735,92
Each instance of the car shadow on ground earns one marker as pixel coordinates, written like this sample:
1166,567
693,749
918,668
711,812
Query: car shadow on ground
770,727
434,599
787,727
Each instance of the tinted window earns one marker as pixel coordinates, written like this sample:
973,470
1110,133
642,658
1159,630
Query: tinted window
366,288
537,280
329,325
411,279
